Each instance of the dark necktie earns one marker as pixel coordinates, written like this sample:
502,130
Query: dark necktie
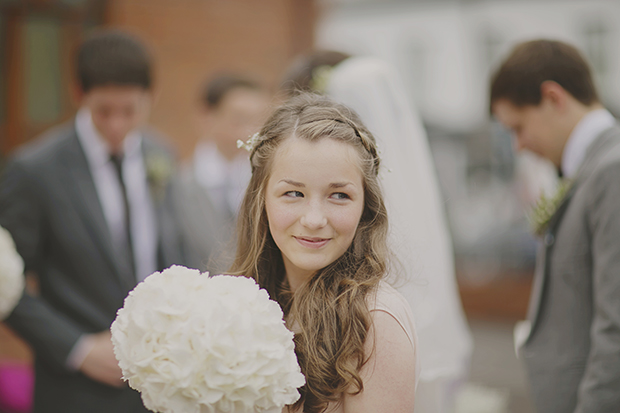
117,161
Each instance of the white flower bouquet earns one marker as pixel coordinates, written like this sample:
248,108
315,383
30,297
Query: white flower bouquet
11,274
193,343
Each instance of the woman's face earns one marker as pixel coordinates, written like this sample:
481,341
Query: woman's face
314,201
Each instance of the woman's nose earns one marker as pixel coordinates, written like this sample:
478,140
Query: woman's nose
314,217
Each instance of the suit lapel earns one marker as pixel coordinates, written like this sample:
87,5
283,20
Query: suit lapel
158,168
541,272
594,153
84,195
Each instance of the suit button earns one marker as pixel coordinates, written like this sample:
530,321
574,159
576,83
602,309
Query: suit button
549,239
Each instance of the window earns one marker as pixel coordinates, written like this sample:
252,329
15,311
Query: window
36,42
43,82
598,49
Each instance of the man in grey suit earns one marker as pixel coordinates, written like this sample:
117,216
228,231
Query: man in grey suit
211,187
544,93
89,207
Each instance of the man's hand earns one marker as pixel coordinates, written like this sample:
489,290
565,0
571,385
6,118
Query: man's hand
100,363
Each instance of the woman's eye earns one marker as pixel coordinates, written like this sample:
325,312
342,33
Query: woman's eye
294,194
340,195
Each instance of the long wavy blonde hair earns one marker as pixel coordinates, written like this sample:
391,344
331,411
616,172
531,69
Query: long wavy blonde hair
330,312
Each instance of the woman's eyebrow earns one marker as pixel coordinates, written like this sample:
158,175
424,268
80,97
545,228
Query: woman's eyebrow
339,184
291,182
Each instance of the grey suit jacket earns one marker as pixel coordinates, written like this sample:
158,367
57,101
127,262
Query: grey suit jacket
572,354
49,204
208,233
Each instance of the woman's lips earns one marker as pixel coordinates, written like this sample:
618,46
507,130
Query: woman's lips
312,242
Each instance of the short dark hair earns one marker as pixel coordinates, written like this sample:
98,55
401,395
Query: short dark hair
214,91
531,63
113,57
299,76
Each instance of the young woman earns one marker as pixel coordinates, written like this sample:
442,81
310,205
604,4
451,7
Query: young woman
312,232
418,234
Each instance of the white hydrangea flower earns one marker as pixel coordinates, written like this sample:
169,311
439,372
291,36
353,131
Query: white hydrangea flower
190,343
11,274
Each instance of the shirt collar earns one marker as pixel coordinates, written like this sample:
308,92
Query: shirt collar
582,136
213,169
95,147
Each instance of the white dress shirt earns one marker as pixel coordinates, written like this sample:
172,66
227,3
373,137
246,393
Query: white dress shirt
109,191
587,130
143,221
224,180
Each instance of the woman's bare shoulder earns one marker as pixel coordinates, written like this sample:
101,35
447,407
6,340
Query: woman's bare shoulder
389,374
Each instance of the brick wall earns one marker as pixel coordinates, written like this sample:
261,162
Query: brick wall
192,39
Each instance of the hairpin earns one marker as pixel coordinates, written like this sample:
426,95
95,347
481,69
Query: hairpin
250,144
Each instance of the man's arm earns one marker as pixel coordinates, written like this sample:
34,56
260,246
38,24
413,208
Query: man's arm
51,335
599,390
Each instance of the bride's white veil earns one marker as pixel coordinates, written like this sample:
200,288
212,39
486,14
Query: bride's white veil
418,232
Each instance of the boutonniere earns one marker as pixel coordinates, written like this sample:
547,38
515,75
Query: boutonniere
547,206
158,173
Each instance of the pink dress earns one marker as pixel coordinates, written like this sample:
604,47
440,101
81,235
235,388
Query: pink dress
392,302
389,300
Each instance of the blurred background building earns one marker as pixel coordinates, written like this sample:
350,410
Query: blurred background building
444,50
190,39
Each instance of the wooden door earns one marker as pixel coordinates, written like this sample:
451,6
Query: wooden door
37,41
